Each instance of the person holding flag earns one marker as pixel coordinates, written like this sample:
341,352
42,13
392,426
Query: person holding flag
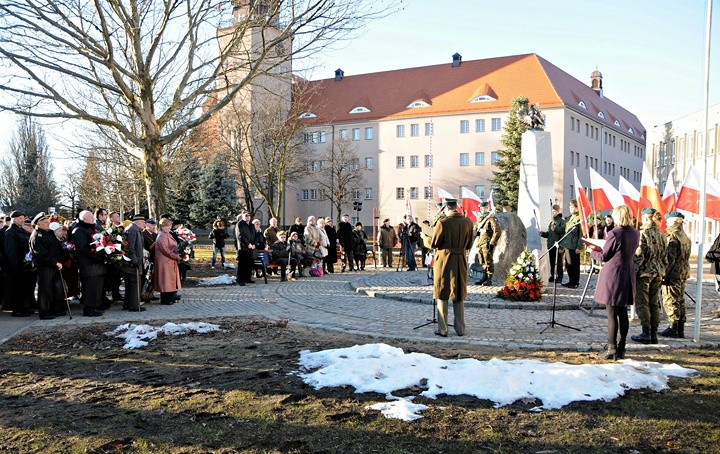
571,244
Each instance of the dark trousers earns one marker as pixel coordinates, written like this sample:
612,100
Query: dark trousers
245,266
410,255
132,288
572,266
112,283
349,255
617,321
556,269
283,263
92,291
45,279
20,291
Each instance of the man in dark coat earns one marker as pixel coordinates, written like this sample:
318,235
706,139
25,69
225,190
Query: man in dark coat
452,238
555,231
133,268
572,246
4,225
245,243
345,235
410,237
47,258
92,266
19,277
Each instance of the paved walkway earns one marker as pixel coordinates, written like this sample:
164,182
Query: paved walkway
387,304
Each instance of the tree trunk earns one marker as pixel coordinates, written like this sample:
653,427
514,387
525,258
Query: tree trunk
154,176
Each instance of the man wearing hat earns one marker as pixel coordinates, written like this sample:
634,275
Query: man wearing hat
452,238
20,280
47,258
650,265
387,239
92,266
677,272
282,254
4,225
488,234
345,236
133,268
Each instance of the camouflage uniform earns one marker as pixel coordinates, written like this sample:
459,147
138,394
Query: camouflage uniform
650,265
488,234
677,272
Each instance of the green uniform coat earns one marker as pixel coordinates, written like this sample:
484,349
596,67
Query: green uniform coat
452,238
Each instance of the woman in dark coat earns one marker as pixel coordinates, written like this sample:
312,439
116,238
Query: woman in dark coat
330,259
359,247
616,285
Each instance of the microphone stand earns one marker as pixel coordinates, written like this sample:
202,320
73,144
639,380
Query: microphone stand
552,322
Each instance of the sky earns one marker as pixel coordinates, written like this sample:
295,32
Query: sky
651,52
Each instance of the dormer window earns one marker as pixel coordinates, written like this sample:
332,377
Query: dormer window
416,104
360,109
482,98
582,104
601,115
631,131
307,115
617,123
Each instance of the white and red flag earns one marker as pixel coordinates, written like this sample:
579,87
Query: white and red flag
605,196
649,194
689,197
583,204
669,198
470,203
443,194
491,202
409,209
630,195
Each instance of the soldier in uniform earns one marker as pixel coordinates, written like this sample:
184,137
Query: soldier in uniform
571,245
452,238
488,234
555,231
650,265
677,272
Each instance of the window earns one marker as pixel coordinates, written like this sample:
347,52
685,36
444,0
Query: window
428,129
399,193
480,191
360,109
428,160
428,193
494,157
496,124
582,104
601,115
309,194
356,133
400,162
369,163
368,133
322,137
464,126
343,134
415,104
464,159
616,123
400,131
480,158
414,129
572,123
480,125
355,164
308,115
414,161
356,194
314,166
414,193
482,98
368,193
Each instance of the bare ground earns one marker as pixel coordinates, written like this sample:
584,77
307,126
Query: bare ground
78,390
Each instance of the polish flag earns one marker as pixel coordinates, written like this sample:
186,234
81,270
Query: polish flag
491,202
470,203
583,204
649,194
669,198
443,194
630,195
605,196
689,197
409,209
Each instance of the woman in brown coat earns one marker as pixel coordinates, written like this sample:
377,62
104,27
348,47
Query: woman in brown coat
167,272
616,284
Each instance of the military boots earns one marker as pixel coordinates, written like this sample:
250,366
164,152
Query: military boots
670,331
643,338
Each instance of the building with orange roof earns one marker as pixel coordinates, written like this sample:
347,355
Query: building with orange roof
418,129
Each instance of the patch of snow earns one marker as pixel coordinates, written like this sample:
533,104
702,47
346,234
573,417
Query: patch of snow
224,279
138,336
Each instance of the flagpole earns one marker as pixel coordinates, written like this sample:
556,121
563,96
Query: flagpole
703,184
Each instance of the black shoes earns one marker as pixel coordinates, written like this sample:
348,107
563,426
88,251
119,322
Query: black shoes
92,313
139,309
21,314
438,333
643,338
569,285
47,317
241,284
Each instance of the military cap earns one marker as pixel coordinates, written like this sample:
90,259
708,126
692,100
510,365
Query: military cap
7,218
16,214
27,221
648,211
449,202
484,204
152,221
139,217
386,220
674,214
55,225
40,217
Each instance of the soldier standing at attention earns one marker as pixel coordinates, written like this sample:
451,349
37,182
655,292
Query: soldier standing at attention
488,234
677,272
555,231
650,265
452,238
571,245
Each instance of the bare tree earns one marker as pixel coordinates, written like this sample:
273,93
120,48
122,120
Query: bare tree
141,69
340,173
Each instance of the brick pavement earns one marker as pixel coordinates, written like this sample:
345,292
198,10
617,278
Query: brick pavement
386,304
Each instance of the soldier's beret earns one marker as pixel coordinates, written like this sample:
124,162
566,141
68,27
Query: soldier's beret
649,211
484,204
674,214
40,217
16,214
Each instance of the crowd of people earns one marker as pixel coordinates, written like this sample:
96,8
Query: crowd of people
87,259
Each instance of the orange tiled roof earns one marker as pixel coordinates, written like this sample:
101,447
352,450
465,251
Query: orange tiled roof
448,90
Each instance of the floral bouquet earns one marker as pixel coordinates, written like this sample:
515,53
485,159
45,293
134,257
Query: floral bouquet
111,244
185,249
523,282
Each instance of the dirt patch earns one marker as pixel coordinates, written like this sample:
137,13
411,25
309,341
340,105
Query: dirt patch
237,391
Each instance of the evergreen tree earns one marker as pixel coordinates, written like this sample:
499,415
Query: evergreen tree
507,177
216,194
182,184
27,181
